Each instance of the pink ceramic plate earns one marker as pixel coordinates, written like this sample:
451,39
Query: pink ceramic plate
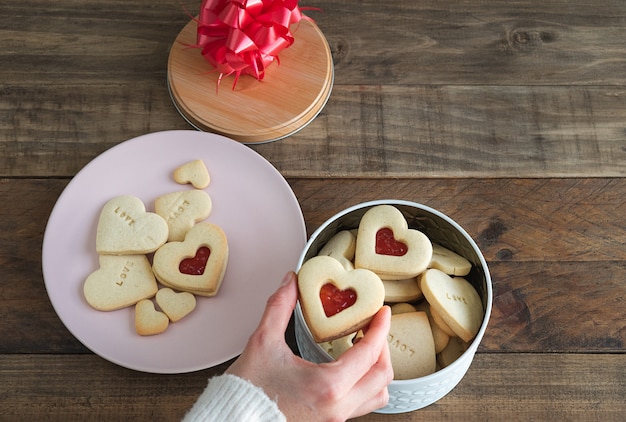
252,202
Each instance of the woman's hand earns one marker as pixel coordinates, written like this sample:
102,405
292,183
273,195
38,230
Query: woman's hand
353,385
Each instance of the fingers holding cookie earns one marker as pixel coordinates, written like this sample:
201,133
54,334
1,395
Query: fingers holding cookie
336,302
423,324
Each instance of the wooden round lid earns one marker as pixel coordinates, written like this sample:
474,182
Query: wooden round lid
292,93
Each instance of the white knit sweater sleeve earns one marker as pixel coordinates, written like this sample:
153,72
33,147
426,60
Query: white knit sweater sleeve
233,399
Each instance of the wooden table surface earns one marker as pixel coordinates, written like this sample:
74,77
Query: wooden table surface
509,116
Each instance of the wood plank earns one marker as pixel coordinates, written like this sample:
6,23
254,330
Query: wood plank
380,131
497,387
479,42
460,131
405,43
542,220
504,103
525,387
533,257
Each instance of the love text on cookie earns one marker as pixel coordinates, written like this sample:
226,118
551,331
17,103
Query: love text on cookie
456,298
124,273
124,216
399,345
178,209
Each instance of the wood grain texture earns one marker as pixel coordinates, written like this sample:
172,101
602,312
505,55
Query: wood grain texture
439,102
515,387
510,117
363,131
460,131
554,42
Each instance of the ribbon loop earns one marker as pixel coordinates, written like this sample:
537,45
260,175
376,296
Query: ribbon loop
245,36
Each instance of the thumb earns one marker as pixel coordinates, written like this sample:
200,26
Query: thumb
280,305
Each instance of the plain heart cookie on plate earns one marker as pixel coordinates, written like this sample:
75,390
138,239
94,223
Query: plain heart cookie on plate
175,305
197,264
334,301
149,321
386,246
194,172
182,210
120,281
125,228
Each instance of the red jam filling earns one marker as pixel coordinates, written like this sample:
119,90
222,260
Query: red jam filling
387,245
197,264
335,300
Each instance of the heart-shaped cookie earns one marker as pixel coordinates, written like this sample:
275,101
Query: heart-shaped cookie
402,308
338,346
204,254
175,305
411,346
120,281
455,300
182,210
406,290
149,321
449,261
455,348
125,228
194,172
341,247
386,246
320,271
441,324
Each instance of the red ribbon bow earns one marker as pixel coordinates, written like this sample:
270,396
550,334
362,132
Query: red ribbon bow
245,36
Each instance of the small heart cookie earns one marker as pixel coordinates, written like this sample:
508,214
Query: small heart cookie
386,246
125,228
449,261
402,308
175,305
337,347
411,346
341,247
455,348
336,302
120,281
406,290
149,321
342,244
194,172
197,264
181,210
455,300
